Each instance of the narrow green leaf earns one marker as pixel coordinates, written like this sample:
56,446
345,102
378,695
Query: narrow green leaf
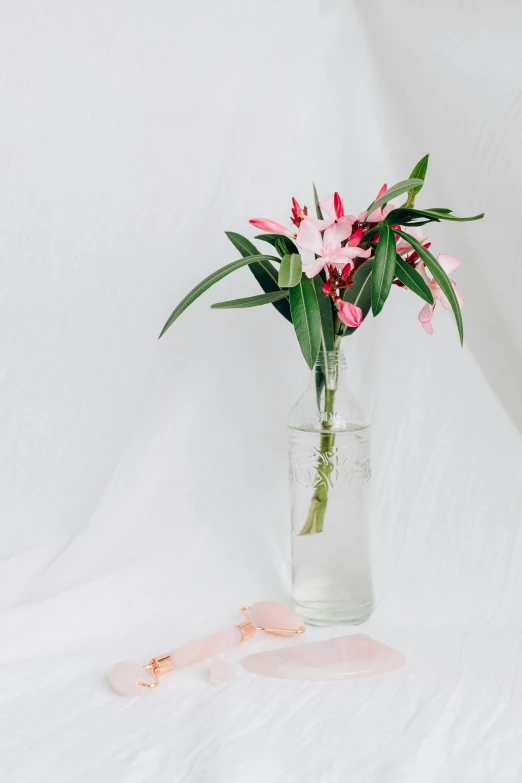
395,190
412,279
360,293
205,284
419,172
241,243
327,313
250,301
440,276
404,215
272,239
318,210
437,213
383,268
264,271
307,319
280,246
290,271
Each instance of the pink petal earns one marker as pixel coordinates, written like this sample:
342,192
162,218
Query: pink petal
421,269
309,237
379,214
443,299
313,269
448,263
360,252
346,253
328,205
340,231
350,314
338,205
271,226
375,216
322,224
404,246
425,316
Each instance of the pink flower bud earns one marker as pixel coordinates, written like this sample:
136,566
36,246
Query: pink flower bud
356,238
271,226
338,206
349,314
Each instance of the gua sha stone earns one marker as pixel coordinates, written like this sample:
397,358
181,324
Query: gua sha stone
345,658
128,678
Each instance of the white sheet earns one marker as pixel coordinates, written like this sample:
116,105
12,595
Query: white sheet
143,484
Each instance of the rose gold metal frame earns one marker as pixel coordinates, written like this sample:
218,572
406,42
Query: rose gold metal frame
161,664
276,631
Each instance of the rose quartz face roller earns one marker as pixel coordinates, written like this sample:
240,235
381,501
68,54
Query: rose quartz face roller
127,678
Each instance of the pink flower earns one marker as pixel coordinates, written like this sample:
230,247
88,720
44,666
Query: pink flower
348,313
272,227
328,247
333,206
378,214
448,263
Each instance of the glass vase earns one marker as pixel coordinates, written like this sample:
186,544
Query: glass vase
329,474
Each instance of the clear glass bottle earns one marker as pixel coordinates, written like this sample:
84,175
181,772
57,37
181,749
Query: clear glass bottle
329,475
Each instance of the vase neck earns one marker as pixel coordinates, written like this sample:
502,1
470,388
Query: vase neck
329,366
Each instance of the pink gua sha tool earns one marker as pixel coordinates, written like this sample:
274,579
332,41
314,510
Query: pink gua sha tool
344,658
126,677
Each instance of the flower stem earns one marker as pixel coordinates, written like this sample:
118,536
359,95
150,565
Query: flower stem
316,513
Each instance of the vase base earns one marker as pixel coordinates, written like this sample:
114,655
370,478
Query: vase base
326,613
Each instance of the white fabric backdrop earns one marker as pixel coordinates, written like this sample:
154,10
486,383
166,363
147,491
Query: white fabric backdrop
143,484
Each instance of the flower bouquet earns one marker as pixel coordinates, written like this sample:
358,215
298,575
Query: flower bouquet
325,276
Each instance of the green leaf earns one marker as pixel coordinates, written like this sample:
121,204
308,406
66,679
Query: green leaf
207,283
241,243
439,214
440,276
318,210
395,190
412,279
327,313
307,319
419,172
290,271
250,301
272,239
403,215
360,293
383,268
264,272
280,246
